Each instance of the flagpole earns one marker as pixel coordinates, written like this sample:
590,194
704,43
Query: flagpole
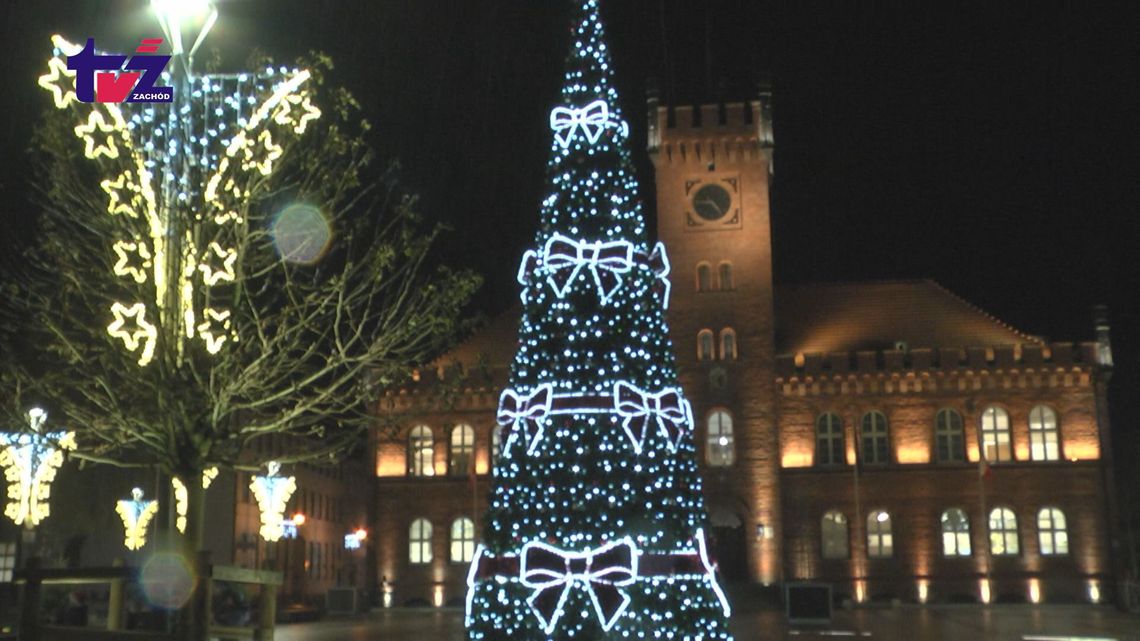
987,557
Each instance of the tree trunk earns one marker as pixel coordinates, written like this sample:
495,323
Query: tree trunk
194,614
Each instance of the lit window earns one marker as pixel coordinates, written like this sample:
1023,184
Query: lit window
834,535
1044,444
7,561
462,449
726,277
705,349
949,436
1052,531
995,435
704,277
462,540
876,441
419,542
496,444
728,344
421,451
880,541
1003,532
829,448
955,533
720,448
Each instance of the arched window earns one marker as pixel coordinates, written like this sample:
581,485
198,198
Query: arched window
728,344
419,541
496,444
462,450
829,448
421,451
1044,444
462,540
880,541
996,446
725,273
1003,532
833,534
705,349
955,533
1052,532
720,446
948,434
704,277
876,440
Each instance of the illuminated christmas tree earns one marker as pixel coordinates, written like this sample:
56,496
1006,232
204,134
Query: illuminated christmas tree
596,523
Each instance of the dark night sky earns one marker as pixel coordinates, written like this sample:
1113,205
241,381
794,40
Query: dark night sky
992,149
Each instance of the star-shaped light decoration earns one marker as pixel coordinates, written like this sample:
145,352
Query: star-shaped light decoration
134,259
136,333
182,496
105,147
60,80
212,273
30,460
272,493
136,514
286,114
215,329
123,194
261,154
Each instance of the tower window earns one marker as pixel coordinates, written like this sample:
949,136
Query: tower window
705,349
720,447
728,344
829,448
1044,444
704,277
725,273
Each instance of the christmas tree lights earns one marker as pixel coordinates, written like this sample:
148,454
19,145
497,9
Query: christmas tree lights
30,460
596,522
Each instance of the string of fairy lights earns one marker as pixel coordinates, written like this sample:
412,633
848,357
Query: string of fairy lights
596,522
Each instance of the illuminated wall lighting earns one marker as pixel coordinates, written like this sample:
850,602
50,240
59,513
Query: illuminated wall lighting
1034,590
923,590
984,590
1094,591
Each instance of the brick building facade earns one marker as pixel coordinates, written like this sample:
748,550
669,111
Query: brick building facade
885,437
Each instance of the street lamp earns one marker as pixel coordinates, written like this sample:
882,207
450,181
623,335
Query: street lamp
172,13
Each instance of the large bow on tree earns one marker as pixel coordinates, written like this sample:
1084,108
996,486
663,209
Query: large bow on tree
552,573
565,258
641,411
591,120
525,414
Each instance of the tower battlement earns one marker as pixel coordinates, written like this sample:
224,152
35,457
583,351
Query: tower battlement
710,132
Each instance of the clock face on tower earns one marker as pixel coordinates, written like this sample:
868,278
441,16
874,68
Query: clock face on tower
712,203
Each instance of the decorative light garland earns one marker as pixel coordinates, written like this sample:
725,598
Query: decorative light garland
30,461
272,493
182,496
136,514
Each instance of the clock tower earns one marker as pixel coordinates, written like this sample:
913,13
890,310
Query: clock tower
713,166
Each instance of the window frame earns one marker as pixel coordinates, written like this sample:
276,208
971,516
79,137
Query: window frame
418,452
829,517
422,545
719,454
1053,532
467,549
724,276
880,436
1004,532
466,449
704,275
985,430
881,532
1039,431
706,339
956,435
728,334
962,546
834,435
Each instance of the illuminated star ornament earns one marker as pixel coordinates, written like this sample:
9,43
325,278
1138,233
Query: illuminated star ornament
272,493
136,514
185,173
182,496
30,460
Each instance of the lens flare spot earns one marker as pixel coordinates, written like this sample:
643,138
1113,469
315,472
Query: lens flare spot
167,581
301,234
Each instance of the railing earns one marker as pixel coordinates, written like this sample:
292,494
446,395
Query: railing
33,578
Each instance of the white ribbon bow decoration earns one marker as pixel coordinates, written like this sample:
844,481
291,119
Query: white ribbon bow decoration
640,410
591,120
525,414
552,573
564,259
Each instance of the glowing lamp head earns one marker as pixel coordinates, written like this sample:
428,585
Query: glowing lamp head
181,9
298,519
37,416
882,517
361,534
